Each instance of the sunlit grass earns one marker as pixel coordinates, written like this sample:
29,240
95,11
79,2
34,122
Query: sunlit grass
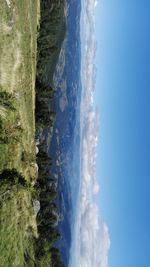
18,39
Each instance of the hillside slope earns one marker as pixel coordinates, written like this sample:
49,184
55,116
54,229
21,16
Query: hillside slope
18,42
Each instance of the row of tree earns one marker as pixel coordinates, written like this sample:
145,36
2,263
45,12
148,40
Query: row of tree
51,34
48,216
50,37
44,116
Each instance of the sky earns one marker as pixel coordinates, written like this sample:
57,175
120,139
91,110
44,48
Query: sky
122,96
112,226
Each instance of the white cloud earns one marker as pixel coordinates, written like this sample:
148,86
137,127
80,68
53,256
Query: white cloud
91,242
91,239
96,3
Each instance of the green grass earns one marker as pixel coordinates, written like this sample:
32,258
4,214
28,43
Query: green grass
17,76
17,226
18,48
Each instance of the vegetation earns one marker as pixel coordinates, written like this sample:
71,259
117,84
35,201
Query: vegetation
48,216
17,222
51,35
27,240
18,51
44,116
18,39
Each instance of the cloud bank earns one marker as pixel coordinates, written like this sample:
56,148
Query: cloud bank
91,239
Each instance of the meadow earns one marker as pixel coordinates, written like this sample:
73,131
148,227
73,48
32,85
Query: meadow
20,67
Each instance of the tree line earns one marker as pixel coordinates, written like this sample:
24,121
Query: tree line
50,37
46,254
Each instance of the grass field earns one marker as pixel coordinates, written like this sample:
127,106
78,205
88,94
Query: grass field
18,49
17,77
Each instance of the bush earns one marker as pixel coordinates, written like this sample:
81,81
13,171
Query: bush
7,100
14,177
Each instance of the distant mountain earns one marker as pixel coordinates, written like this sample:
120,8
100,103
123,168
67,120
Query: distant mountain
65,143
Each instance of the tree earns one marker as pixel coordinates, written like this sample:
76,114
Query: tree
43,115
43,92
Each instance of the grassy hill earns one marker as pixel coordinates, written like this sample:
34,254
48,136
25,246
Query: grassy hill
17,83
18,49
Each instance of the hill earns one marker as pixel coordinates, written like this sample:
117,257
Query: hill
18,49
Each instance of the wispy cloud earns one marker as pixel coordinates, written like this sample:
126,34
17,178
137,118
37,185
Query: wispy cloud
91,238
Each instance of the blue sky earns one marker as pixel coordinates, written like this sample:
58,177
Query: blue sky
123,100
